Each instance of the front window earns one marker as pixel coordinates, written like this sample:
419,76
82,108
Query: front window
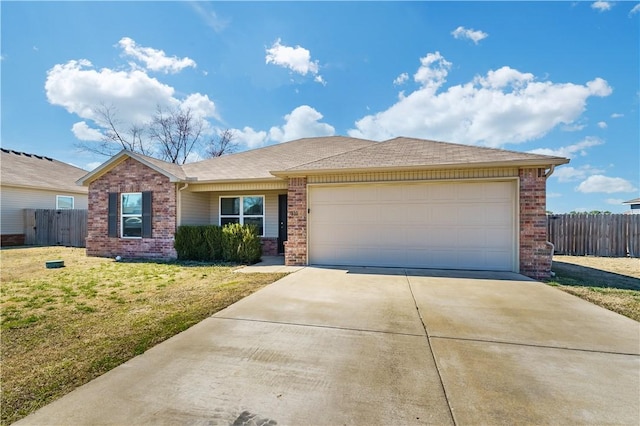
246,210
131,215
64,202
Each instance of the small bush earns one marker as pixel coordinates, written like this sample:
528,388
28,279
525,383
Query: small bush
240,243
232,243
199,242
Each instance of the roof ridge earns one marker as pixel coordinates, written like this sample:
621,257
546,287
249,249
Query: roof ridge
488,148
342,153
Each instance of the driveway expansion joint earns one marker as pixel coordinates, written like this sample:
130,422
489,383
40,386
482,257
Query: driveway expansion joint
433,357
531,345
331,327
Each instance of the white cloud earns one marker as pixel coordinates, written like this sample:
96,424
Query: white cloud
80,89
92,165
635,9
154,59
210,17
609,185
617,115
579,148
572,174
302,122
466,33
85,133
614,201
602,6
503,106
554,195
200,105
401,79
132,94
602,124
573,127
297,59
249,137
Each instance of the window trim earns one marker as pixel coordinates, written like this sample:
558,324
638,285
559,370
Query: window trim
241,214
127,215
73,202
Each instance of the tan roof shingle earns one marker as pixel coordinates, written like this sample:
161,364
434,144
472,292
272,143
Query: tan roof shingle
37,171
257,163
406,153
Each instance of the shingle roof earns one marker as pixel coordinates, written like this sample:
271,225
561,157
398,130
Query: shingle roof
37,171
257,163
406,153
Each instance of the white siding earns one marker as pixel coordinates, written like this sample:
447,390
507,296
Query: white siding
194,208
14,200
271,208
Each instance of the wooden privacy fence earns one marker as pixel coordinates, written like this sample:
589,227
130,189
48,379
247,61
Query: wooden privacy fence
604,235
55,227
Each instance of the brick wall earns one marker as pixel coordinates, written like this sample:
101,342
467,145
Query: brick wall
269,246
12,240
535,259
132,176
295,250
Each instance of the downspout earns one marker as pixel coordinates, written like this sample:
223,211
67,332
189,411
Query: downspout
549,243
179,205
550,171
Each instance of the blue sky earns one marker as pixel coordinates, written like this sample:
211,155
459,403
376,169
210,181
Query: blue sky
559,78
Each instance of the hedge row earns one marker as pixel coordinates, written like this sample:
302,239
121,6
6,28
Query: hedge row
231,243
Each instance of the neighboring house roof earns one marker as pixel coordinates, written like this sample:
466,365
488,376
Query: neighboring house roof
33,171
331,154
410,153
634,201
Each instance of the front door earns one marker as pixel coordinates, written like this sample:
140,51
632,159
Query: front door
282,221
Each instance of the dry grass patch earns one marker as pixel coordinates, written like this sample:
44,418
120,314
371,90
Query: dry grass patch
613,283
63,327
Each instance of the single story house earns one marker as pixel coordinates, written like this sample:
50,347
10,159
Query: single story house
337,200
635,206
30,181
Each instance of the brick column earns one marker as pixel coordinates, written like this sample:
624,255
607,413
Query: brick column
295,248
535,259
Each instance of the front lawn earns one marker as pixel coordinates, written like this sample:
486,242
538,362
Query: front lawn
63,327
613,283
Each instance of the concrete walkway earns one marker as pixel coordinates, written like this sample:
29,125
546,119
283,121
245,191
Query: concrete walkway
380,346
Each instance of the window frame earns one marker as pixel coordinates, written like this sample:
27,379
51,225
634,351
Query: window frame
241,216
124,215
73,201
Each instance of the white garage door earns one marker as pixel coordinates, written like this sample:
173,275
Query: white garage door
424,225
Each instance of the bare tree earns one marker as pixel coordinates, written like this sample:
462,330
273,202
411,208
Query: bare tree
222,144
114,137
172,135
176,134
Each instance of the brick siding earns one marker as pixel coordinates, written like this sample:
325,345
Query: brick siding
295,250
132,176
269,246
535,254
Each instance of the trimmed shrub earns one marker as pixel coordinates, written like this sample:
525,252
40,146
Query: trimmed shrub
240,243
199,242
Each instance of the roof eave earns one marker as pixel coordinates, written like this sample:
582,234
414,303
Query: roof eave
244,180
552,161
44,188
118,159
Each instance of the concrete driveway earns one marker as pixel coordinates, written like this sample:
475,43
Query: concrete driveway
380,346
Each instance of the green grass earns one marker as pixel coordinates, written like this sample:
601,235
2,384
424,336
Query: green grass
614,291
61,328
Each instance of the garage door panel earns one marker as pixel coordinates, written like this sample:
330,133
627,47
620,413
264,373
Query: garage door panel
432,225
